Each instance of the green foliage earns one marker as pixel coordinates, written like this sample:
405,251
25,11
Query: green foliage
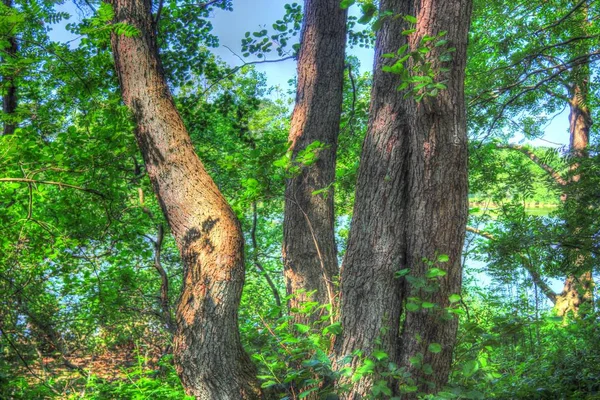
79,222
293,358
421,68
261,43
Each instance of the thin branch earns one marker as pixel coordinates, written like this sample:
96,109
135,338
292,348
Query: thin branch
535,275
350,123
18,353
158,12
563,18
481,233
164,285
257,262
236,69
531,155
59,184
328,283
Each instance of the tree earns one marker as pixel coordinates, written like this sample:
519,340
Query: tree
309,246
207,348
532,80
411,198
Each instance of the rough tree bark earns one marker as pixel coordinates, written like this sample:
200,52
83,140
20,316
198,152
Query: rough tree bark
578,289
9,101
371,296
411,203
309,248
437,193
208,353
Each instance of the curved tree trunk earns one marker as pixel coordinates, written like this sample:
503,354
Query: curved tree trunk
208,353
411,203
309,249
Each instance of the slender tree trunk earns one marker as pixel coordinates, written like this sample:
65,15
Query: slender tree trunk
257,262
165,304
577,290
411,204
9,100
208,353
309,248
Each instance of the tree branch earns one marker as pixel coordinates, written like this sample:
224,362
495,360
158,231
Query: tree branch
555,175
563,18
164,285
59,184
535,275
257,262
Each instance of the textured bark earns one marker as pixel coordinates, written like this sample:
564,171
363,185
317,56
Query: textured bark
208,353
309,249
437,192
577,290
9,100
411,202
371,296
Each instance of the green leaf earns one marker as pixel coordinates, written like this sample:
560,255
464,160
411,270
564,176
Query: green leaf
442,258
434,348
435,273
380,355
402,49
402,272
302,328
454,298
410,18
346,3
415,361
333,329
412,307
427,369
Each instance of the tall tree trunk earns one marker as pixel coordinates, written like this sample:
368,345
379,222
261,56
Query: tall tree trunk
411,204
9,100
208,353
309,248
578,289
437,194
371,296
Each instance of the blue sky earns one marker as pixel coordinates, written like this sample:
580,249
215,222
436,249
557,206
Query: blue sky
253,15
